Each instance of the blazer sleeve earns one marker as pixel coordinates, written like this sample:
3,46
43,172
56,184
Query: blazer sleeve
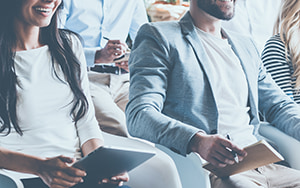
150,67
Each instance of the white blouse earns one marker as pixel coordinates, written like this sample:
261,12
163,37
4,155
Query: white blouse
43,107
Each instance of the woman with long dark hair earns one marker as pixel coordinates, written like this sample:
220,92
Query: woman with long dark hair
46,114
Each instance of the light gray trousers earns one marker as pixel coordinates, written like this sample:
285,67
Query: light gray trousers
269,176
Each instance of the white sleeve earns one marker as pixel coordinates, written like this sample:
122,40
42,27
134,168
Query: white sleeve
90,55
87,126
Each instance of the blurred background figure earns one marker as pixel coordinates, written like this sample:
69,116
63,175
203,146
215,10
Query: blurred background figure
166,10
281,55
254,18
104,26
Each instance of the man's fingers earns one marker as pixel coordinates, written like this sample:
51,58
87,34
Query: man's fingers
232,149
240,152
116,52
217,163
224,159
228,144
118,43
226,152
114,42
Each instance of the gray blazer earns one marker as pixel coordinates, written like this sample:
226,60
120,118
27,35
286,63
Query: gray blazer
171,98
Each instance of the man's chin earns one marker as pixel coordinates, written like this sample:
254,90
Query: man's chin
227,18
222,16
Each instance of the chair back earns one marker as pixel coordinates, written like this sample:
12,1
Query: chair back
189,168
7,182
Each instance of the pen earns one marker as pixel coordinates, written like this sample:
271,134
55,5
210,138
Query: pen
106,38
122,56
236,158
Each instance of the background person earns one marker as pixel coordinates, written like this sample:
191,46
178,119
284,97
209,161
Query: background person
254,18
281,55
104,26
96,21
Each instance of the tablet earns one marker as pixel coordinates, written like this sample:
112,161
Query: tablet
108,161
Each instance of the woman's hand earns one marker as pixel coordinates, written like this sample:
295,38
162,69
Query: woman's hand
57,172
93,144
116,180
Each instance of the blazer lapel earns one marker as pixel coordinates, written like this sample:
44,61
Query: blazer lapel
244,56
190,34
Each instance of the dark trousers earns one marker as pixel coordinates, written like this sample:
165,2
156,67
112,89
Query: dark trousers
38,183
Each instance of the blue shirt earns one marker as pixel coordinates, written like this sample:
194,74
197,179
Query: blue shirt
95,19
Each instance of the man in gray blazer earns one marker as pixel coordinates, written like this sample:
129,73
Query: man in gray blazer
193,84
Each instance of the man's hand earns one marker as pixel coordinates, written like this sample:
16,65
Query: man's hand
112,50
123,65
116,180
57,173
216,149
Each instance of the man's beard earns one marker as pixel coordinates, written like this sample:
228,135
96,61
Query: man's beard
214,10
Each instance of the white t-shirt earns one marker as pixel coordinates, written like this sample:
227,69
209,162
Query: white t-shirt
230,89
43,108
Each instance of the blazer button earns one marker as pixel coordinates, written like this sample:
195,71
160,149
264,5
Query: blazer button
214,131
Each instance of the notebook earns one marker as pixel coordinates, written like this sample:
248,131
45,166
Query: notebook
259,154
108,161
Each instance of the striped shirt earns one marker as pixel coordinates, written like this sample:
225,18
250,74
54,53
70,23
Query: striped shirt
279,65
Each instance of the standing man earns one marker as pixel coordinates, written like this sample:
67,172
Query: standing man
104,26
195,83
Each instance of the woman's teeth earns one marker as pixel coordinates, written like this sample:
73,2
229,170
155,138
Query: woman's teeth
43,9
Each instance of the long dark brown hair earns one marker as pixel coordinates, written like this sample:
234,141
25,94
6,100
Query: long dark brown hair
60,49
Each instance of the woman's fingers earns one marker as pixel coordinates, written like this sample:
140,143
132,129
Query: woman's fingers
57,172
121,177
116,180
